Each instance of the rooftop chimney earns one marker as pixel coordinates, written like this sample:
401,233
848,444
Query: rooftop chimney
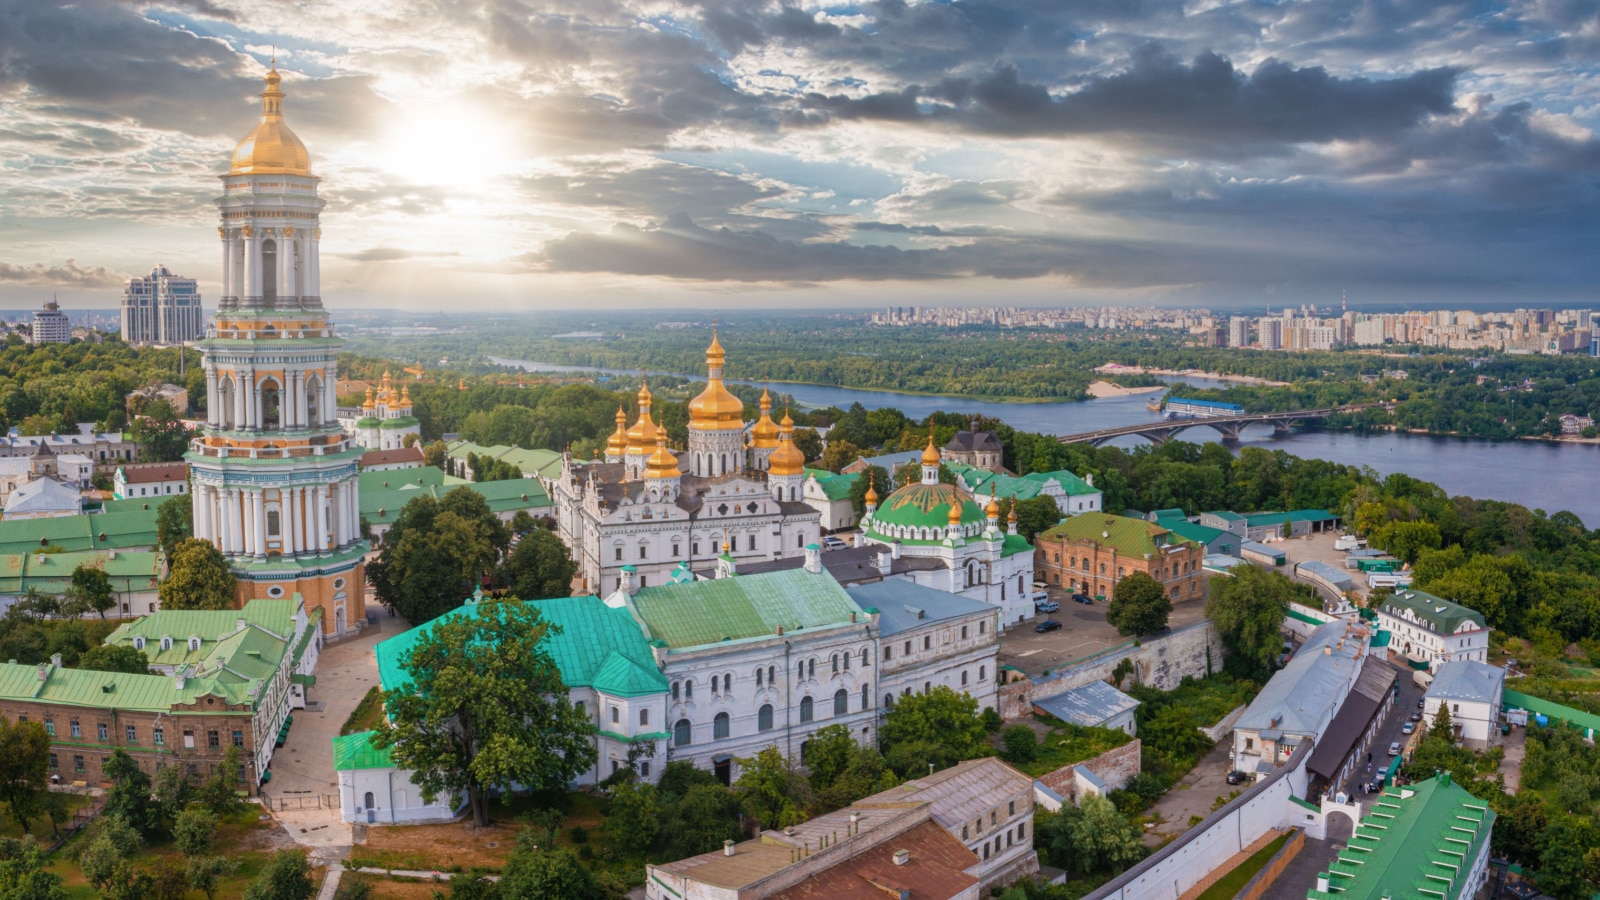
727,848
901,857
813,559
885,560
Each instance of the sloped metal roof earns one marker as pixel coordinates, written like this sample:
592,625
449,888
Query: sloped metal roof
744,606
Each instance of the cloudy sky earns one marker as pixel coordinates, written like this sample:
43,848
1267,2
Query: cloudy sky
727,153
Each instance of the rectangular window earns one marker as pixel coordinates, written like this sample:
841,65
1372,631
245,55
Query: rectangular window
694,549
188,739
103,731
616,715
927,642
642,552
238,739
159,736
212,740
50,727
888,653
963,632
675,550
22,719
908,648
619,554
131,733
54,763
644,768
752,543
77,764
644,717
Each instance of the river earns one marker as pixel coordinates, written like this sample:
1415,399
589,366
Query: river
1538,474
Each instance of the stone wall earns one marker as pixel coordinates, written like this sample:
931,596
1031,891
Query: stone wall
1159,662
1116,767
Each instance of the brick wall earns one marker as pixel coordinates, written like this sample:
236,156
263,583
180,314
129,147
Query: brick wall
1061,563
1161,662
1116,767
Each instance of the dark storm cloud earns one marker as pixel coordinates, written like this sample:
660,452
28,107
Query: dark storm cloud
1208,107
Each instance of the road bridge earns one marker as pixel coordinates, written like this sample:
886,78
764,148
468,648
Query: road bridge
1163,430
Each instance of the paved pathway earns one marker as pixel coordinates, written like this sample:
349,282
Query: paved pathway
1194,794
303,767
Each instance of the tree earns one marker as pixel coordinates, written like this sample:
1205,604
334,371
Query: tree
114,842
193,831
828,754
173,793
1034,514
1248,608
522,523
535,874
115,658
286,876
1089,838
197,578
808,442
1021,744
634,819
838,454
1138,605
1563,870
129,796
23,875
160,434
539,568
436,454
486,709
769,787
92,588
700,820
24,769
1442,727
436,553
206,872
940,718
174,521
1408,540
220,793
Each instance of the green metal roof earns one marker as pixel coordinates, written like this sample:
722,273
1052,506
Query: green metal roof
51,573
355,751
120,690
1014,544
745,606
1417,841
1021,487
1300,616
1440,615
399,422
926,506
98,531
1225,515
1200,534
381,505
1516,700
249,653
834,487
596,642
1279,518
369,422
1129,536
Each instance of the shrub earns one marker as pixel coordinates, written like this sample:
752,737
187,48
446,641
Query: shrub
1020,743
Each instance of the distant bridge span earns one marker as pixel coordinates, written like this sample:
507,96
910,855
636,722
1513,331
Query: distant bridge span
1163,430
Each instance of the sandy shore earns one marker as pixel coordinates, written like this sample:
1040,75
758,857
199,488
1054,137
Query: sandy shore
1100,389
1113,368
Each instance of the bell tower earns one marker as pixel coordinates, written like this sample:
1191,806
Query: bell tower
274,475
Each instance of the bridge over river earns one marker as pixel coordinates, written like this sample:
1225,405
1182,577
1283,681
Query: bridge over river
1163,430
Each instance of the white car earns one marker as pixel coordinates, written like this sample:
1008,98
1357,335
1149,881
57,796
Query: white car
832,543
1348,542
1040,597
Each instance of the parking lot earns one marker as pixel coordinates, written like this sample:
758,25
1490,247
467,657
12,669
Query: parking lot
1084,632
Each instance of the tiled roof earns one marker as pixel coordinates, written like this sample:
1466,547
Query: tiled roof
903,605
131,570
591,635
745,606
1417,841
1128,536
1439,615
1089,705
1468,680
936,868
355,751
144,474
412,454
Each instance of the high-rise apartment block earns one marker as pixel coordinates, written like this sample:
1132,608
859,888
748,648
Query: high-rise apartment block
161,308
1239,331
50,325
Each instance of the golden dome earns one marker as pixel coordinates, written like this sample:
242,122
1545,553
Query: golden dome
764,434
872,491
641,437
369,404
993,509
271,148
405,395
1012,515
661,464
954,518
930,456
787,459
715,409
617,445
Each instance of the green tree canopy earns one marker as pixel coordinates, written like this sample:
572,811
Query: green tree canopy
770,789
23,875
1248,608
538,568
436,552
838,454
486,709
1138,605
197,578
161,435
24,770
286,876
129,798
92,588
941,718
174,521
115,658
876,477
1034,515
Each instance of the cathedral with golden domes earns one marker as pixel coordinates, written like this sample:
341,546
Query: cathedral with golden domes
650,514
386,417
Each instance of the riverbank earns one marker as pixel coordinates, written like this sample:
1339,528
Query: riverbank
1100,390
1118,368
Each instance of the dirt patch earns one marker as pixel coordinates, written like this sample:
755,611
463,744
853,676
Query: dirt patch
453,847
388,889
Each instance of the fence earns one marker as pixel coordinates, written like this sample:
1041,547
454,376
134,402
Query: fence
301,802
78,822
1275,866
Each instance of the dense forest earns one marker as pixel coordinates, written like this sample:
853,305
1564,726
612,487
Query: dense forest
51,388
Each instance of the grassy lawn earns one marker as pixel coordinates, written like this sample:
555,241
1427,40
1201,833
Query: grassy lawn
242,838
40,828
458,846
1067,744
367,714
1233,882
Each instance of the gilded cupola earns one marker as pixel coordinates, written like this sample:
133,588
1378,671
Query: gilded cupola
642,436
764,433
787,459
716,409
617,445
930,456
661,464
271,148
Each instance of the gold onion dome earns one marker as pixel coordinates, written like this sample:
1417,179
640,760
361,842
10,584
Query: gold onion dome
993,509
787,459
617,445
954,516
930,456
715,409
661,464
764,433
271,148
872,491
643,433
369,404
1012,515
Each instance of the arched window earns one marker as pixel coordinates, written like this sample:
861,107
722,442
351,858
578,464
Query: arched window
719,726
841,702
271,418
865,659
674,690
800,671
888,700
772,674
981,672
688,689
269,270
805,709
811,670
764,718
760,673
225,396
680,733
313,400
866,696
836,664
847,660
727,683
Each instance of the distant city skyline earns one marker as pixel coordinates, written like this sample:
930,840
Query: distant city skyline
986,152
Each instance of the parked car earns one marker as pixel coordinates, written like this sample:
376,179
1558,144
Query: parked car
1047,625
1237,777
1040,597
832,543
1416,717
1079,598
1422,702
1046,606
1394,749
1408,728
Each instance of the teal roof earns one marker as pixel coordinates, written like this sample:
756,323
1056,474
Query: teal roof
1226,515
1440,615
1417,841
744,606
251,652
355,751
1577,717
1022,487
98,531
597,646
1200,534
1014,544
51,573
1279,518
927,506
380,506
834,487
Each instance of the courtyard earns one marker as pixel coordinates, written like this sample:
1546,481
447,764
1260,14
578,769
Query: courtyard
1083,634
